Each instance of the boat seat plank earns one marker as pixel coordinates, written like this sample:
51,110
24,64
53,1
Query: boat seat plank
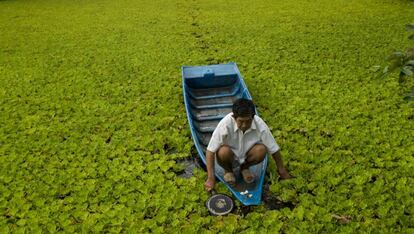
210,114
214,102
206,126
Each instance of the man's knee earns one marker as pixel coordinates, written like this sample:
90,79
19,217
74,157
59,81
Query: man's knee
261,149
258,153
225,153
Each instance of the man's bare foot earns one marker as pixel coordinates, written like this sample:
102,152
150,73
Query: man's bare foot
229,178
248,177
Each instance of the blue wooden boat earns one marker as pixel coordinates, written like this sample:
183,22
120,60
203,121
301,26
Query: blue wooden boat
209,93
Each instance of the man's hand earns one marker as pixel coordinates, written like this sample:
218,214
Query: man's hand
283,173
209,184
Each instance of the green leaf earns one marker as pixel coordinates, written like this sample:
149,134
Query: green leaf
375,68
21,222
385,71
300,211
51,227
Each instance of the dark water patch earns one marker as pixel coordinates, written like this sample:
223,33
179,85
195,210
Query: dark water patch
272,203
155,151
187,166
63,195
310,192
108,140
243,210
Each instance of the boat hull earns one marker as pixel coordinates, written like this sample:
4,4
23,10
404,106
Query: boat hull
209,92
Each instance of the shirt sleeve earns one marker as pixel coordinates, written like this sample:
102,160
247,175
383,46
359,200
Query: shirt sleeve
269,141
217,139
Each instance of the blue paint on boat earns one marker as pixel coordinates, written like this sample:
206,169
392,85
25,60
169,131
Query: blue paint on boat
209,92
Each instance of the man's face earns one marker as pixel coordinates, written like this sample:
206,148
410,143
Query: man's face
244,123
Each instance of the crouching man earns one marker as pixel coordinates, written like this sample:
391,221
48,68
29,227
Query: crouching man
241,139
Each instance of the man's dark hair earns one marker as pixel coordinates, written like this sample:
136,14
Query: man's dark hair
243,108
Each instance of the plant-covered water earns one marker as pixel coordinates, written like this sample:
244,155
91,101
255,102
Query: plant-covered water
93,125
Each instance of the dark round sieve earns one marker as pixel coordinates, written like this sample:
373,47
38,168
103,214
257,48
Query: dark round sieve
219,204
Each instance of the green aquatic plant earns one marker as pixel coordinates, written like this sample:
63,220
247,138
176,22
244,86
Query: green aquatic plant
92,120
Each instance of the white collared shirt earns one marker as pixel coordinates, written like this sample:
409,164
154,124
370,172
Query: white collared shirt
227,133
